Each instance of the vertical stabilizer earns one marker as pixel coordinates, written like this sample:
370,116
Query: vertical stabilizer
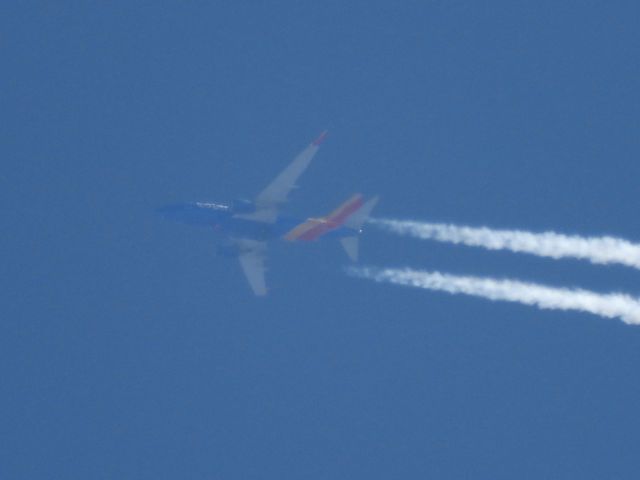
350,245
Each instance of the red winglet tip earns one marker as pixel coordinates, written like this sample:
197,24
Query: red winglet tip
320,139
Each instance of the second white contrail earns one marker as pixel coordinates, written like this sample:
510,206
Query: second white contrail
601,250
612,305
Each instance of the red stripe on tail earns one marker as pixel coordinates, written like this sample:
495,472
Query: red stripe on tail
334,220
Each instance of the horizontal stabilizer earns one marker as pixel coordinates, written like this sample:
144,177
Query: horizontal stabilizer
350,245
357,218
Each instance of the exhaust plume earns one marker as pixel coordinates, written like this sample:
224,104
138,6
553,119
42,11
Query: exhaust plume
613,305
600,250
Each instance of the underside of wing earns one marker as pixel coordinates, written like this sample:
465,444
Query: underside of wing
252,256
276,193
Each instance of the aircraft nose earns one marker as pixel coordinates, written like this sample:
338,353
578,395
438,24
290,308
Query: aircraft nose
169,211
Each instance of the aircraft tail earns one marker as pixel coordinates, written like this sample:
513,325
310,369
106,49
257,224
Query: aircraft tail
355,220
351,214
350,245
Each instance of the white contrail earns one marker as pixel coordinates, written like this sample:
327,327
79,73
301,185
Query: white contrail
601,250
613,305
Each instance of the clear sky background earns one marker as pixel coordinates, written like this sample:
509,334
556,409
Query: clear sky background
129,350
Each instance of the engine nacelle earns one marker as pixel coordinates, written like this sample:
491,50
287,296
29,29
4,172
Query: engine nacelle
243,206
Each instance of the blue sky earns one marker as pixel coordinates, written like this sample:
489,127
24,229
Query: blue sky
130,350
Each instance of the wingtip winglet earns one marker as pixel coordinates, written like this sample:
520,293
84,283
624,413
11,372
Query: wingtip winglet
320,139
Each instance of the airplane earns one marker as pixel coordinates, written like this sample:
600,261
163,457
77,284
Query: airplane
248,226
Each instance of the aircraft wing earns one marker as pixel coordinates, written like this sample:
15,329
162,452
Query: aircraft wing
251,256
268,201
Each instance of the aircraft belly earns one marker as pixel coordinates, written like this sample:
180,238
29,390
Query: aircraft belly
193,214
249,229
315,232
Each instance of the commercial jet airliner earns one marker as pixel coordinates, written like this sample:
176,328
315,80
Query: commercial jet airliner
247,226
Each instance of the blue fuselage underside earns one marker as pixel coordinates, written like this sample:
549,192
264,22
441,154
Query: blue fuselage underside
224,219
